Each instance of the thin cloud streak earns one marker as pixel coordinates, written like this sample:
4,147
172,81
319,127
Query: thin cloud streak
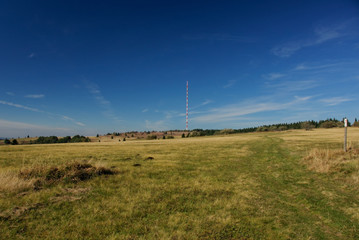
218,37
170,114
190,113
21,106
234,112
31,55
40,111
304,67
15,129
273,76
101,101
206,102
228,113
35,96
73,120
230,83
335,100
303,98
156,125
322,34
22,125
294,86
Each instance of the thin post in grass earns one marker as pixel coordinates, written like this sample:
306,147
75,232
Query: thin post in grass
345,133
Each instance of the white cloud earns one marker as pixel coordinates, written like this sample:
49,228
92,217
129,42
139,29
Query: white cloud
145,110
228,113
31,55
286,50
303,98
294,86
22,125
80,124
15,129
40,111
321,35
66,118
327,33
273,76
101,101
218,37
300,67
156,125
235,112
190,113
230,83
204,103
72,120
10,93
35,96
313,66
170,114
335,100
20,106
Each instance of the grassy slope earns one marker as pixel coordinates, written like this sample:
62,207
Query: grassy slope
249,186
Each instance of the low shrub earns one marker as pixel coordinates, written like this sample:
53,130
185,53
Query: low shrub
73,172
151,137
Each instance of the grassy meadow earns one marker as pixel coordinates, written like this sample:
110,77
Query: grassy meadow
276,185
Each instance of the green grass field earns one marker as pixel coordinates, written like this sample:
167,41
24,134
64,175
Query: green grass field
245,186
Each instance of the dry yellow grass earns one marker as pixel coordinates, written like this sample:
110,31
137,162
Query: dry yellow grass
241,186
326,160
319,137
11,182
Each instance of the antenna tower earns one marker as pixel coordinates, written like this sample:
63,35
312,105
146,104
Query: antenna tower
187,106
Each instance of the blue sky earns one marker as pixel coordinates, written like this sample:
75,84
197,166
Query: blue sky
86,67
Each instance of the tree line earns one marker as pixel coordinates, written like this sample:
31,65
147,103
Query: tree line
307,125
67,139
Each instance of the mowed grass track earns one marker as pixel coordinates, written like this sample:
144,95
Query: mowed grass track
246,186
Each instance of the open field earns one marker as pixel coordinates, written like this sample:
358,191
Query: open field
276,185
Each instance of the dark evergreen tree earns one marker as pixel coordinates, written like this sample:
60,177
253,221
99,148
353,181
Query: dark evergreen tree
66,139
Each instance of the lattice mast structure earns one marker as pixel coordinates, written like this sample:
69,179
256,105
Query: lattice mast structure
187,106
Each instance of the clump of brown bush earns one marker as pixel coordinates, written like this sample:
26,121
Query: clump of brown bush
38,176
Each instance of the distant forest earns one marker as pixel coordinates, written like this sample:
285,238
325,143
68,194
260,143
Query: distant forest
308,125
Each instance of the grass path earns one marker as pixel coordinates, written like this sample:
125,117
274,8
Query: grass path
296,203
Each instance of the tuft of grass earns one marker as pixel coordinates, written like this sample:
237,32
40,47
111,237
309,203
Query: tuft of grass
10,182
334,161
324,160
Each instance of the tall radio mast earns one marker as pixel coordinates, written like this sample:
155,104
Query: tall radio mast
187,106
